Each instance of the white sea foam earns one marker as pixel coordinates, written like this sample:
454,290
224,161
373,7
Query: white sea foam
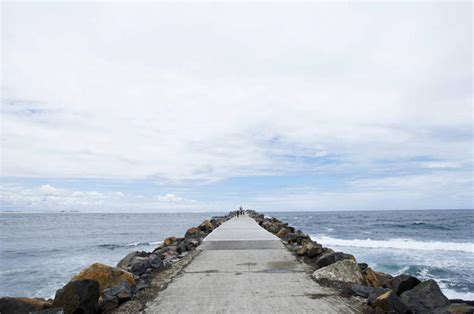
405,244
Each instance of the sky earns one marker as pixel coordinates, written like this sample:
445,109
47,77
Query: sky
180,107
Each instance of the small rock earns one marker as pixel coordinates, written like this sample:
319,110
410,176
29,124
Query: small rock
142,285
425,297
402,283
78,296
389,302
23,305
342,271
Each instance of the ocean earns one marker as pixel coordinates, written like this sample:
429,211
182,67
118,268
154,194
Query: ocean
41,252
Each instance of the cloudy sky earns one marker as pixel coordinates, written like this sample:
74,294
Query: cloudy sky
203,107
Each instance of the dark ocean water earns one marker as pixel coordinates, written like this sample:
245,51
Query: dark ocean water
41,252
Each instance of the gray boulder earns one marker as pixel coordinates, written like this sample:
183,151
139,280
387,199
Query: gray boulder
124,262
402,283
342,271
156,260
139,265
122,292
364,290
331,258
425,297
78,296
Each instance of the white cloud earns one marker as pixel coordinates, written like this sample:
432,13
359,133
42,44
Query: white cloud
47,197
188,92
169,198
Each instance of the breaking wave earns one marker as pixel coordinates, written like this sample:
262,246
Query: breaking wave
405,244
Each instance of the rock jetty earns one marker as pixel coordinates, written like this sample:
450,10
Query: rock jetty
102,288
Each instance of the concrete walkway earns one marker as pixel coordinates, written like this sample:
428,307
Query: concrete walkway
242,268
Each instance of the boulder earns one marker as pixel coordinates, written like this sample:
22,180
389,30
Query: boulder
362,266
424,297
375,293
106,276
365,291
156,260
389,302
283,232
206,226
291,238
194,233
23,305
402,283
122,292
184,246
310,249
78,296
169,240
139,265
314,249
361,290
124,262
371,277
108,303
383,279
274,228
342,271
331,258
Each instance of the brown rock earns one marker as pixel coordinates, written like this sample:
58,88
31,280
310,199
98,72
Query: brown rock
23,305
106,276
194,233
383,278
371,277
169,240
206,226
283,232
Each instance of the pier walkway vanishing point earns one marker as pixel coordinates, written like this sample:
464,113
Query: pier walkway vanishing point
242,268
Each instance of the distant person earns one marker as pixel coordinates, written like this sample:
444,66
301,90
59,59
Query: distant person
237,214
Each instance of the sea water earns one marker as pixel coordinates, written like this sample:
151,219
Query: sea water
429,244
41,252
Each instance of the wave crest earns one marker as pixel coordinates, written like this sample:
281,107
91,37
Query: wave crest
404,244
